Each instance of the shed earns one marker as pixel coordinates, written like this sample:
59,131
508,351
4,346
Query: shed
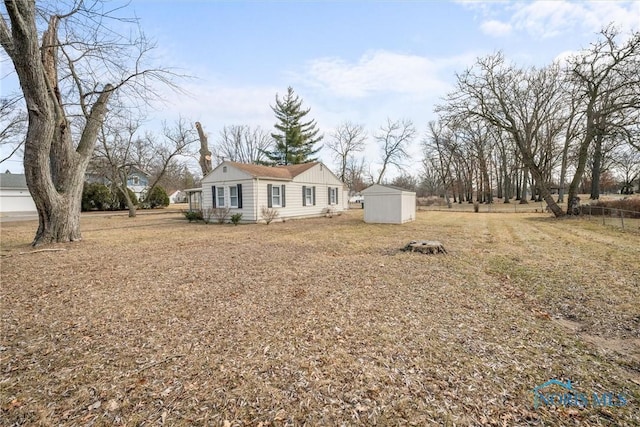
386,204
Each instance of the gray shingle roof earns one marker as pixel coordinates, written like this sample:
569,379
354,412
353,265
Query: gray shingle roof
13,180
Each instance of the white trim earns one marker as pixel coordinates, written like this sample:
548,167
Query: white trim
273,196
218,204
231,205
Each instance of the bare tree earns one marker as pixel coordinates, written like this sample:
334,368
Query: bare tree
608,83
406,181
121,150
241,143
13,125
394,137
174,144
348,138
440,148
115,155
627,163
356,175
68,74
519,102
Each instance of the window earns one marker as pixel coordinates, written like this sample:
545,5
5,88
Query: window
233,197
135,180
308,196
275,196
220,197
224,169
333,195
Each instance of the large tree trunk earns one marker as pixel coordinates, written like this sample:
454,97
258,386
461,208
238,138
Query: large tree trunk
54,170
583,153
563,172
595,169
59,221
525,180
537,176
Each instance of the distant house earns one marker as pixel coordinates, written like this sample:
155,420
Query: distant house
178,196
14,194
294,191
137,181
386,204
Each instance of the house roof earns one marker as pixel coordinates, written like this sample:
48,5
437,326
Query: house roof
278,172
13,180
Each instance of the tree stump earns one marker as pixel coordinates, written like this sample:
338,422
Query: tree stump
425,246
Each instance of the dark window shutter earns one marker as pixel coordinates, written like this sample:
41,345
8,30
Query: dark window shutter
304,195
283,202
239,196
269,202
314,195
336,195
213,192
328,195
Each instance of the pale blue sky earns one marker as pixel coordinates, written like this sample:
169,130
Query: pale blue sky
361,61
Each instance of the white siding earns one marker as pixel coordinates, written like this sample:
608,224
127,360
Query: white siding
248,200
254,192
320,177
294,205
387,205
225,175
408,207
382,208
16,200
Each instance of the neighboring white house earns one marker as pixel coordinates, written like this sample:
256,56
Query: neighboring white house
178,196
14,194
388,205
295,191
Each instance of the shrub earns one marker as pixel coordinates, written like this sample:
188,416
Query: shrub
207,213
330,212
628,203
158,198
96,196
235,218
195,215
269,214
605,207
220,214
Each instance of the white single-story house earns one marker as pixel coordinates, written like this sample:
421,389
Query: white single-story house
14,194
386,204
294,191
178,196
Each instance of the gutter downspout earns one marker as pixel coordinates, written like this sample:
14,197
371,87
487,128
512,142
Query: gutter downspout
257,197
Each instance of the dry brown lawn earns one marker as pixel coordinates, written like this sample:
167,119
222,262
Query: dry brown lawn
155,321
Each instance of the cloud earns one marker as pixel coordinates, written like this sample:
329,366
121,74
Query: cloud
374,73
495,28
547,19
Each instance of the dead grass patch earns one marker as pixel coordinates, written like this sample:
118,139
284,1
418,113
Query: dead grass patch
317,322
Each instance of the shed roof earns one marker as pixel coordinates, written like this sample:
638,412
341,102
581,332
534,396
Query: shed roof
385,188
13,180
278,172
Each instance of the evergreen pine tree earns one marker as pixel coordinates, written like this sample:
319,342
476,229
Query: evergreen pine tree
295,138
